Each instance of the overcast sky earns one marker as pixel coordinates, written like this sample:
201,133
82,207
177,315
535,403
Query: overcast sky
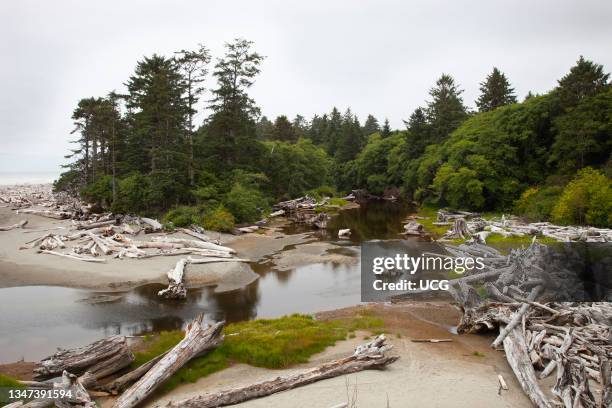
378,57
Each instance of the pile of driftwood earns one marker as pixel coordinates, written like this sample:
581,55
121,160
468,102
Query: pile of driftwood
527,299
303,210
467,225
104,368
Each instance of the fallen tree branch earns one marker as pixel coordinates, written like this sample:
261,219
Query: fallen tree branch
199,338
366,357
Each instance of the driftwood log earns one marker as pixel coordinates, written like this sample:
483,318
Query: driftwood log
366,357
100,359
20,224
119,384
199,339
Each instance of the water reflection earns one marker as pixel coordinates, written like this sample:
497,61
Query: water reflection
39,319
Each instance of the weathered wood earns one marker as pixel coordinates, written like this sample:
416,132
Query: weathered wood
176,288
20,224
79,396
199,338
58,215
516,319
200,236
88,226
118,385
516,354
73,256
413,228
194,244
366,357
101,358
344,233
153,225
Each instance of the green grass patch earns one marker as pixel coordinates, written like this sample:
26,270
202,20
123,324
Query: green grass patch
432,215
269,343
478,354
10,382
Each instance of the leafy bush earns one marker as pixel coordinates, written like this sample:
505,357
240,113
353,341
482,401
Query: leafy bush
586,199
184,216
537,203
132,194
246,204
218,219
100,192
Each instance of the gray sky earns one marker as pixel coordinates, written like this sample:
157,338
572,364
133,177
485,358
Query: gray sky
378,57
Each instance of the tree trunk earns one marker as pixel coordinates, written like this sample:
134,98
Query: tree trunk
199,339
367,356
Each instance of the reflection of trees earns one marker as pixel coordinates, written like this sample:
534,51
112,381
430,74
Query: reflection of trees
373,219
238,305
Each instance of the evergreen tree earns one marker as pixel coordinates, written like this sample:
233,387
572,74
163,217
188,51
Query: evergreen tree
264,128
160,114
283,130
332,131
193,65
231,131
495,91
584,79
386,129
417,135
317,129
350,139
371,125
299,126
445,111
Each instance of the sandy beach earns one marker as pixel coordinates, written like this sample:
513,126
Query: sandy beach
26,267
426,375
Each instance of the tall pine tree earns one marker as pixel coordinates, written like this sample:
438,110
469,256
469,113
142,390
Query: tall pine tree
445,111
586,78
495,91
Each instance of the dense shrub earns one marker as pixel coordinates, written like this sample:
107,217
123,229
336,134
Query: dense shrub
100,192
184,216
537,203
246,204
218,219
586,199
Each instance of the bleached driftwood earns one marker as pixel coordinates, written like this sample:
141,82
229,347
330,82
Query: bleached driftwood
153,225
344,233
100,359
20,224
198,235
73,256
366,357
199,338
413,228
176,288
58,215
78,394
121,383
194,244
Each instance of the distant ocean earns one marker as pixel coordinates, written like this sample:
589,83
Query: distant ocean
10,178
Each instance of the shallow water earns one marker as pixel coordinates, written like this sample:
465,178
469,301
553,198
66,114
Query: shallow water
37,319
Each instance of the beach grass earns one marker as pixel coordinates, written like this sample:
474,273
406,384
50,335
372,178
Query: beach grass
269,343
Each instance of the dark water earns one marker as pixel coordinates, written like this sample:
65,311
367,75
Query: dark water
35,320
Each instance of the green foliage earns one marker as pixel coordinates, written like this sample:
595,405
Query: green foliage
537,203
495,91
100,192
586,199
184,216
133,194
10,382
247,204
219,219
294,168
269,343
